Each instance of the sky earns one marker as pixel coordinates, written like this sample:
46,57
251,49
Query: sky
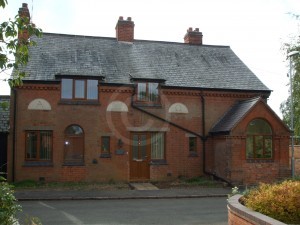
254,29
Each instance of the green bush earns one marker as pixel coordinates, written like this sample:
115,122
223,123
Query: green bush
8,203
279,201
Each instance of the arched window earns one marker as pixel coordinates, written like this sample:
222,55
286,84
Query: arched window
259,140
74,145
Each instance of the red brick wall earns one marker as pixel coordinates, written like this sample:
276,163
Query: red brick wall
232,149
235,219
238,214
96,122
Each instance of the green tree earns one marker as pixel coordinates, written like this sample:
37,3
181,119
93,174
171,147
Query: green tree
14,45
285,106
8,203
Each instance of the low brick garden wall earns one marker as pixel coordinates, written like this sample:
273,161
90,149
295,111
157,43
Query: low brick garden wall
241,215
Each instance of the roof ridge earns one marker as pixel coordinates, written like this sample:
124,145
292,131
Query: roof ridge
135,40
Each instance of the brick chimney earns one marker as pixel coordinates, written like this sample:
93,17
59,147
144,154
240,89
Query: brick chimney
193,37
125,29
24,13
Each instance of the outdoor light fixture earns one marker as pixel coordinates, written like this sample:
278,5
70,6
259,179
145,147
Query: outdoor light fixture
290,55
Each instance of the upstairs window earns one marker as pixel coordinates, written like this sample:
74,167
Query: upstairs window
148,92
259,140
79,89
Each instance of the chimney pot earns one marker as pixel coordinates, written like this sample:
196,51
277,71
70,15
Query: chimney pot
196,30
129,18
24,5
120,17
190,29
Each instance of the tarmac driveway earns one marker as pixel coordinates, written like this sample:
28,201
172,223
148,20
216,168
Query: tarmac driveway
182,211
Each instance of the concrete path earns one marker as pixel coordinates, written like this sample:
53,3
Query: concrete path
23,195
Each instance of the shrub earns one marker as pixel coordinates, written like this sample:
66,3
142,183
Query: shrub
279,201
8,203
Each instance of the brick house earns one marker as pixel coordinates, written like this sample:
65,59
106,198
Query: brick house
99,109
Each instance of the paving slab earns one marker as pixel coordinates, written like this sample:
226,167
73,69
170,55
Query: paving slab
143,186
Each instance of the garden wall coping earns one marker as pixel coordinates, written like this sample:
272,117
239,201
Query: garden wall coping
249,215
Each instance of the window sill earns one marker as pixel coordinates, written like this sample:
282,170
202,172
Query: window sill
193,154
79,102
105,155
37,164
73,164
260,160
147,104
158,162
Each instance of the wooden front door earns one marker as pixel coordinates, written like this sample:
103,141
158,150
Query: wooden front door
139,157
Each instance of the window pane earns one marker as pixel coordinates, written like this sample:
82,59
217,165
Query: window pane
268,147
259,140
105,145
67,88
135,147
79,88
259,126
153,92
249,148
143,147
92,89
31,145
259,147
157,146
142,92
45,145
192,144
74,130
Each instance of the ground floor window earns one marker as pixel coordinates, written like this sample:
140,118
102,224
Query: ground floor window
259,144
192,144
38,146
157,146
105,147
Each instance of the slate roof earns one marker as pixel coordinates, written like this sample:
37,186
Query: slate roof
235,114
179,64
4,114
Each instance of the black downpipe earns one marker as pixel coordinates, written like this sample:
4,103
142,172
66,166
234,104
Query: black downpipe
203,134
204,145
14,135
